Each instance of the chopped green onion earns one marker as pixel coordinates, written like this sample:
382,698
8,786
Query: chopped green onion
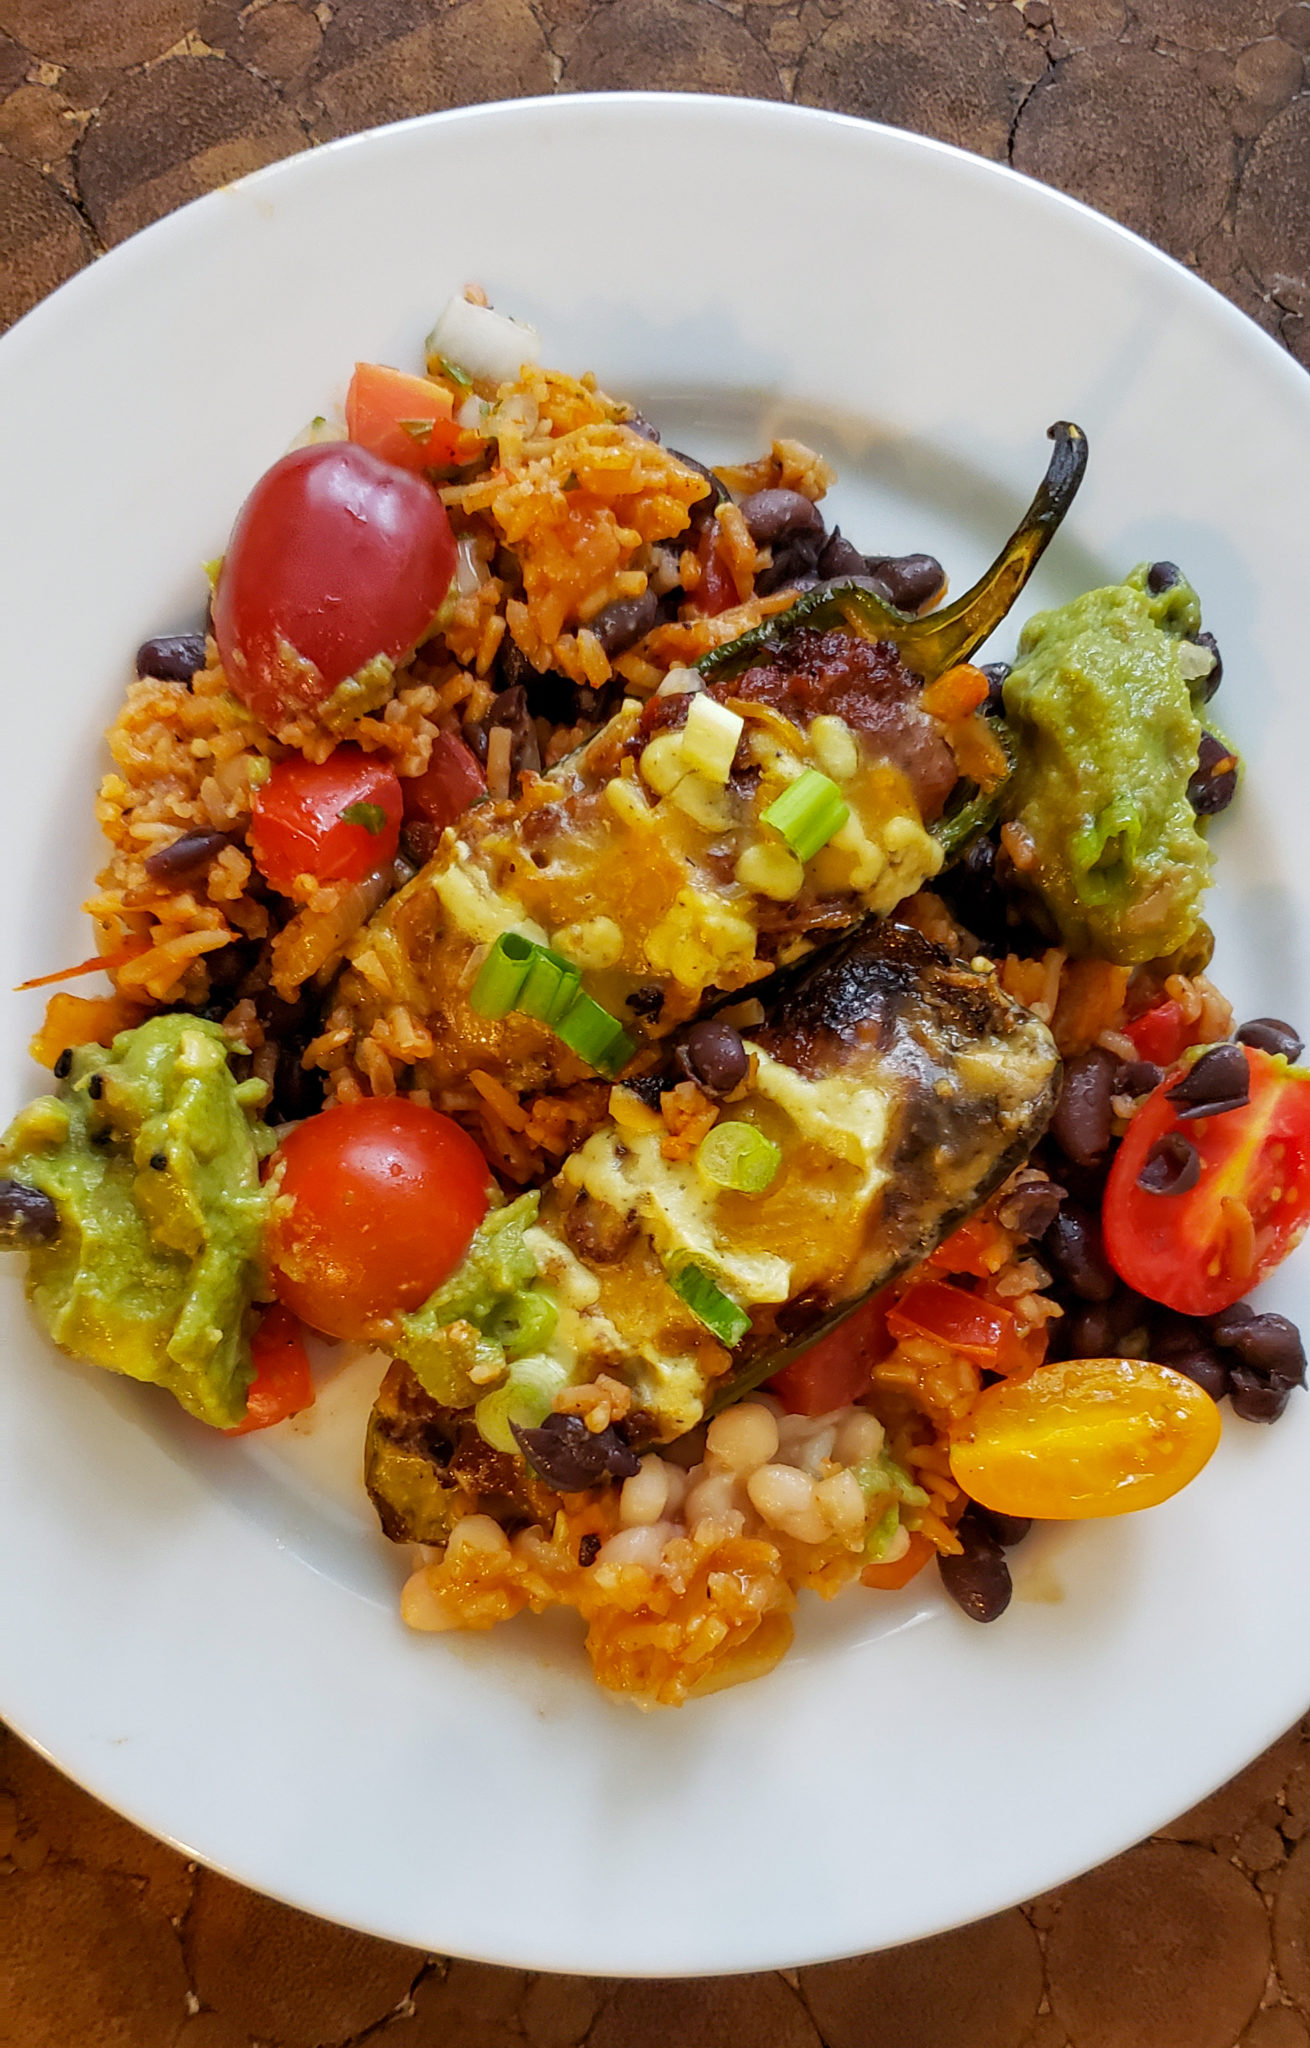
721,1315
738,1156
455,374
710,736
589,1030
526,1323
501,975
418,430
519,974
371,816
808,812
526,1397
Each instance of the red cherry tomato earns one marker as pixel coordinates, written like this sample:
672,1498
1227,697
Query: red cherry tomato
980,1330
282,1384
407,420
335,558
385,1198
1202,1250
451,782
839,1368
337,820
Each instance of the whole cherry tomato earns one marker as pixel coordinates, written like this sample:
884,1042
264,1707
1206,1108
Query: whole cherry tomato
335,558
337,820
1242,1209
1090,1437
385,1197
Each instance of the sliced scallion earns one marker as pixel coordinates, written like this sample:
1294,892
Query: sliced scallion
501,975
737,1156
526,1397
549,986
589,1030
722,1316
808,812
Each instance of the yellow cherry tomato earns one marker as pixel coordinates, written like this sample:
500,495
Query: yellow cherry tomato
1093,1436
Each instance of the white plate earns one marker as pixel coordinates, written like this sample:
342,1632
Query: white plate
205,1633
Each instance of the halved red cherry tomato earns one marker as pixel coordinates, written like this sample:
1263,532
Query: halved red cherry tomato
385,1198
1202,1250
889,1578
979,1330
335,558
839,1368
452,781
406,420
1089,1437
337,820
1160,1034
283,1384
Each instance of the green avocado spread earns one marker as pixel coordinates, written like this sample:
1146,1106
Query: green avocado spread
486,1314
1101,703
151,1156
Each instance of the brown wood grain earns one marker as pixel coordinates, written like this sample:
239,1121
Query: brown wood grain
1188,120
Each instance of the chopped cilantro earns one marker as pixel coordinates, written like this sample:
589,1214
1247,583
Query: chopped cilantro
418,430
371,816
455,374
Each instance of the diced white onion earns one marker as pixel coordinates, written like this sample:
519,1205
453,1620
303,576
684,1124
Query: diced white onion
469,572
710,736
482,342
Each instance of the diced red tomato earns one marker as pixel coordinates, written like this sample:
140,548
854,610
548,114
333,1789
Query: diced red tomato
979,1330
1160,1034
283,1384
337,820
1203,1249
839,1368
383,1199
407,420
451,782
717,590
336,560
889,1578
979,1247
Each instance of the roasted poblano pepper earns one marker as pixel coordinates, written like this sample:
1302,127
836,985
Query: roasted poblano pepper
899,1088
656,866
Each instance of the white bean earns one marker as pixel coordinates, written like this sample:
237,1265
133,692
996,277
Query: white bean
779,1493
841,1503
743,1437
643,1545
713,1496
476,1532
645,1495
860,1436
421,1606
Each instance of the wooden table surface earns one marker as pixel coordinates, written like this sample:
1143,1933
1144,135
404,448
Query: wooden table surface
1190,121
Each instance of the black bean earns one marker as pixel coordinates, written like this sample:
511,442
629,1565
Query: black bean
1171,1167
571,1457
1031,1208
1183,1343
713,1055
840,558
1266,1343
27,1215
1214,785
996,673
1270,1034
626,621
1255,1398
1162,576
1217,1082
978,1579
907,581
1086,1331
64,1064
297,1090
637,423
186,858
701,514
794,564
589,1545
1128,1311
1138,1077
1007,1529
509,708
1081,1125
775,515
1204,689
1072,1249
172,658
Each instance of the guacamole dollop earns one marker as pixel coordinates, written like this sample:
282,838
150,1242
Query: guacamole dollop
487,1313
1101,703
151,1155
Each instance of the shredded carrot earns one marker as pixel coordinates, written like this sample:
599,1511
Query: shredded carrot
506,1106
956,694
100,963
